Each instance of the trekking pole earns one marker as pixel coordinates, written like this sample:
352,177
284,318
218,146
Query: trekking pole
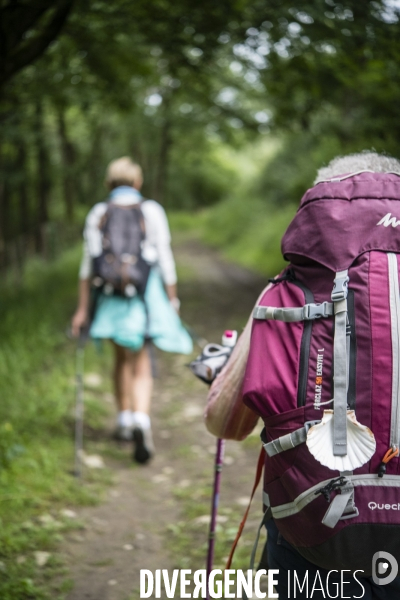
219,460
79,407
206,367
79,366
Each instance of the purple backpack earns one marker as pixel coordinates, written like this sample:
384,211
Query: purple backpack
324,375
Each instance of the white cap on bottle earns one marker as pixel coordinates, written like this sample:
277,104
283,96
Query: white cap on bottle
229,338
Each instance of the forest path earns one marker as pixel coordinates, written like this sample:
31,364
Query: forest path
149,509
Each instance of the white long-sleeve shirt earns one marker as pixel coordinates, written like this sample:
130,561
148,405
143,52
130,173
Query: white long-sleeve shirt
157,245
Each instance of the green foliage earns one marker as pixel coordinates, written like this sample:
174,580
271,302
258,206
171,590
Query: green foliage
36,426
248,224
9,448
334,59
38,387
119,81
247,231
172,84
33,336
199,176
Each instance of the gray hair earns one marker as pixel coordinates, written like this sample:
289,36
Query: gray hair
353,163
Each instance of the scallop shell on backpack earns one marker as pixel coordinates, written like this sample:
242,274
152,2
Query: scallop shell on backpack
361,443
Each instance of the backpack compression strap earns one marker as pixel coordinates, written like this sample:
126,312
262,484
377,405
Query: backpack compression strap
288,441
341,352
340,364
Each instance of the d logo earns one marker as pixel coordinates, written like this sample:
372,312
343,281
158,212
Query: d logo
384,563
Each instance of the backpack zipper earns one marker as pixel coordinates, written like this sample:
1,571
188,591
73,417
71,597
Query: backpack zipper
368,480
394,303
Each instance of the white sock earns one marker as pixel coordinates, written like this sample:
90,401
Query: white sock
141,419
124,418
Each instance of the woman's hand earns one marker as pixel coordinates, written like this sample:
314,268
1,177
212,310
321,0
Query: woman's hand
172,293
176,303
79,320
81,316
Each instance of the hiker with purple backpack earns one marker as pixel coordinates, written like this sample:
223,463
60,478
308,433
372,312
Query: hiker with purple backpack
319,363
128,270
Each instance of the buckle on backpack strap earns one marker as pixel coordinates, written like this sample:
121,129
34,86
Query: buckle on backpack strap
350,515
288,441
309,424
316,311
340,287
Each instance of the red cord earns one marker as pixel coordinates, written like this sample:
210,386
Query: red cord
260,466
389,455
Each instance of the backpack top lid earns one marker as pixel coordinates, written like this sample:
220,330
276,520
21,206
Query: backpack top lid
339,219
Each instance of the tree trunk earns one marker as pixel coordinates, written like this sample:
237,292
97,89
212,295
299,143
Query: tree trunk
92,188
5,202
68,156
16,20
22,190
4,214
43,180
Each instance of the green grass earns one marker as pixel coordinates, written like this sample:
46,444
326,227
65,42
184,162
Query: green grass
37,370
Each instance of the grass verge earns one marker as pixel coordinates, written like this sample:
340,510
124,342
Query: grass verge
36,429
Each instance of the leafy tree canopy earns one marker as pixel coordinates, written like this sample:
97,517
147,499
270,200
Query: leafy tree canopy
171,82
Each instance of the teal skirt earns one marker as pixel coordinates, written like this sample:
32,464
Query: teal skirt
124,320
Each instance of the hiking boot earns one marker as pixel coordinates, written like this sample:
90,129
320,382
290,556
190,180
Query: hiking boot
123,433
143,442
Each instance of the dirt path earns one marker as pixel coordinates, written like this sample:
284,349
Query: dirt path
149,511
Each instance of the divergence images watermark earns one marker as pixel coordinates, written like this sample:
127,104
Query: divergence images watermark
235,583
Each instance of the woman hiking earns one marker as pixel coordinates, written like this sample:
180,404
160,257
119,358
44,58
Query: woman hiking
128,260
314,545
